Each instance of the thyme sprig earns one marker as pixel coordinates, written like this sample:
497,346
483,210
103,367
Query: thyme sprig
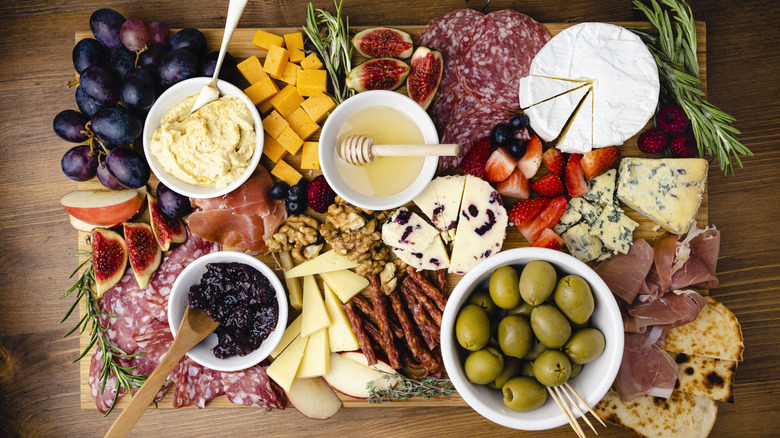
407,388
674,50
85,291
330,36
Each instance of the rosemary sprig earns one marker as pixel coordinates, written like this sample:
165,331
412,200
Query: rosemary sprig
332,43
84,288
674,50
407,388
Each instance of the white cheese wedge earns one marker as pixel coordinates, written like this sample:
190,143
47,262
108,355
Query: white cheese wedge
345,283
285,367
440,201
577,137
316,356
432,258
614,229
536,89
315,317
588,211
549,117
290,333
406,230
581,244
340,334
601,189
668,191
327,262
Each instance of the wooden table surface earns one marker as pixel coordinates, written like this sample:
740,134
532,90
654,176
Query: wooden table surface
39,386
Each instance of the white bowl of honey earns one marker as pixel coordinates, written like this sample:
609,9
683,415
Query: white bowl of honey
389,118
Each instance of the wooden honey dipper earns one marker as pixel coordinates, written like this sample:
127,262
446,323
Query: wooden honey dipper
360,150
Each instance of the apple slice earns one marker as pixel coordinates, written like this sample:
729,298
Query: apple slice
313,398
83,226
352,378
104,208
381,365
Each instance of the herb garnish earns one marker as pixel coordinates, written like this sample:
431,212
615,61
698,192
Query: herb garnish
674,50
333,45
407,388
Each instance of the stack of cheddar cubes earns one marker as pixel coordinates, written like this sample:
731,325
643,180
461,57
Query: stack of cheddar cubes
290,114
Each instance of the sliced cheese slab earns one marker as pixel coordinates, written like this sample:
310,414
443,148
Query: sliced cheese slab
316,356
406,230
340,334
315,316
536,89
327,262
290,333
577,137
440,201
549,117
432,258
345,283
285,367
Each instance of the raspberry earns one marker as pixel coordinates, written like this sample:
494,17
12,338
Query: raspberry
683,146
672,119
473,163
652,141
320,195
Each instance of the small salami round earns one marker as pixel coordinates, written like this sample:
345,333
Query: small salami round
468,126
450,102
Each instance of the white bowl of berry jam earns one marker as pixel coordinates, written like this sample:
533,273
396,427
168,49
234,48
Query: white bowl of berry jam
244,295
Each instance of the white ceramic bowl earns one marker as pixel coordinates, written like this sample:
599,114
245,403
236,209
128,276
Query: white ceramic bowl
328,154
170,98
592,383
178,302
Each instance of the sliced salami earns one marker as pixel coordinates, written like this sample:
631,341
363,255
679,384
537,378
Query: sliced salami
195,384
496,54
103,396
468,126
253,387
450,102
125,313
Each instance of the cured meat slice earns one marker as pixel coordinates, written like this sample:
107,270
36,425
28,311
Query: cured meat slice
450,102
253,387
694,272
154,345
195,384
645,368
671,310
625,273
496,54
468,126
103,395
125,313
243,219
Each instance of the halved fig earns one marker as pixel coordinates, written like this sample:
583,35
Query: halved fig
424,80
383,42
378,74
143,252
109,258
166,230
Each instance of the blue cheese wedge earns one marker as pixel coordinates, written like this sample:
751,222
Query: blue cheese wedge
588,211
581,244
569,218
614,229
601,189
667,191
408,231
432,258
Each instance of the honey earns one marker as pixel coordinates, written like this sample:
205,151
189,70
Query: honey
385,176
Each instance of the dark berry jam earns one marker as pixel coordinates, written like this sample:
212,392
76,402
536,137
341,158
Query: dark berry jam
242,300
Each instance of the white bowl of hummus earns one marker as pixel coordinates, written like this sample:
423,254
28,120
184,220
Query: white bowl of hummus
208,153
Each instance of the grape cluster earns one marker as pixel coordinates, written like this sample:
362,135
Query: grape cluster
122,71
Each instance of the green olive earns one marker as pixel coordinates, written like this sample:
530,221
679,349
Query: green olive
552,368
523,394
575,299
472,328
527,369
524,309
503,287
483,366
535,350
585,345
575,370
483,300
511,369
537,282
550,326
515,336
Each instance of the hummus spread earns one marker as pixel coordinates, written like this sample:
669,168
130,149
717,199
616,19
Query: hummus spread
210,147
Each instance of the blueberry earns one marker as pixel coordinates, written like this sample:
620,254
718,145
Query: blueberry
519,121
516,148
501,134
279,190
294,207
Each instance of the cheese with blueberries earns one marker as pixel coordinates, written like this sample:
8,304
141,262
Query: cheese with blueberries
581,244
614,229
408,231
440,201
432,258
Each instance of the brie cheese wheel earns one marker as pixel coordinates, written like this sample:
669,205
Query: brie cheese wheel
577,138
550,116
537,89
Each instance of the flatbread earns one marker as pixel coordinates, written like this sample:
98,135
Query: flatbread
706,376
682,415
715,333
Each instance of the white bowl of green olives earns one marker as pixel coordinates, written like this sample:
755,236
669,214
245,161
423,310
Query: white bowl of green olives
524,319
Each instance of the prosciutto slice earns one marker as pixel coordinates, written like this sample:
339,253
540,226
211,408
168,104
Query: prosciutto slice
243,219
645,368
668,311
625,273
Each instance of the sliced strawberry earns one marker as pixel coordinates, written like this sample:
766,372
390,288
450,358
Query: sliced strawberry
499,166
516,186
473,163
548,217
549,239
526,209
575,178
548,186
598,161
530,162
554,161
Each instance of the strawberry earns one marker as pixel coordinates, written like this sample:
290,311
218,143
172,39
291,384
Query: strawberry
320,195
575,179
532,159
548,217
499,166
526,209
672,119
548,186
473,163
652,141
549,239
554,161
598,161
516,186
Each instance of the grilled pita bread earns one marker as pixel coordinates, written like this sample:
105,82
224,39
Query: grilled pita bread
715,333
706,376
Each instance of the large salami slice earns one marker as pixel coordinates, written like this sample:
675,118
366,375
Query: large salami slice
195,384
497,54
448,103
103,395
125,313
468,126
253,387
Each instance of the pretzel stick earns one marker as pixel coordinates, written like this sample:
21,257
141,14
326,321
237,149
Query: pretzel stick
427,287
357,327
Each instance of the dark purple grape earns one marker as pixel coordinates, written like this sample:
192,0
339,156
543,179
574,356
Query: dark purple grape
229,68
70,125
128,167
89,52
171,203
501,134
100,84
116,125
176,66
122,61
79,163
160,33
138,90
134,34
149,58
105,24
108,180
86,104
190,38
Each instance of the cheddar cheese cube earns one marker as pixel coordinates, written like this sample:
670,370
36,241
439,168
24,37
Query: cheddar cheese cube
294,42
290,73
317,107
265,40
265,107
272,149
262,90
290,140
311,62
287,100
276,61
274,123
252,70
310,157
302,124
312,82
286,173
